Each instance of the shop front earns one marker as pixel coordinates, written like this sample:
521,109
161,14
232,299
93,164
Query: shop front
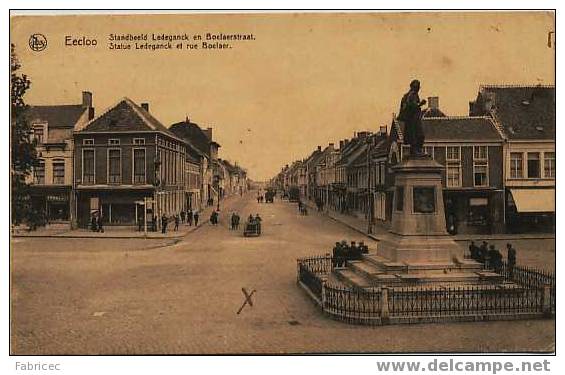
474,212
117,208
52,202
530,210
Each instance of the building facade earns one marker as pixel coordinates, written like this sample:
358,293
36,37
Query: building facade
52,179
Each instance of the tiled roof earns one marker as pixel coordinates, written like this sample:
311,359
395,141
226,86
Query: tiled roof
525,112
126,116
463,128
57,116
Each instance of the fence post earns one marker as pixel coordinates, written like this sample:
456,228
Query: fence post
323,296
384,305
547,299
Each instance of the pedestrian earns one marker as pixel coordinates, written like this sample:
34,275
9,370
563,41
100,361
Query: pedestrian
189,217
511,256
344,251
93,223
354,252
483,252
237,219
99,222
195,217
364,248
258,221
182,216
335,254
154,223
474,251
177,221
164,222
495,258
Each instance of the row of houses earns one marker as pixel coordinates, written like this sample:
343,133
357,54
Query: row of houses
119,162
499,164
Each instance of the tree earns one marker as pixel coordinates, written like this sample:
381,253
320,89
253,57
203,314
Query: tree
23,152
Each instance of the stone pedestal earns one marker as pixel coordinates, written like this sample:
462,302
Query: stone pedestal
418,236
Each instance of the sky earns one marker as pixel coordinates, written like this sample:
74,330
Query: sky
306,79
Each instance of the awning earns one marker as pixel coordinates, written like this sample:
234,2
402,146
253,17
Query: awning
534,200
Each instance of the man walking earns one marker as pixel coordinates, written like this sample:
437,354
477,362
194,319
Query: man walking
164,222
195,217
177,221
511,256
182,216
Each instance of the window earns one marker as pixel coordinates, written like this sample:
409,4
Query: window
480,153
516,165
113,142
429,150
453,153
139,166
549,164
87,166
481,174
139,141
114,166
39,173
39,133
453,166
480,165
382,173
533,165
405,151
58,172
88,142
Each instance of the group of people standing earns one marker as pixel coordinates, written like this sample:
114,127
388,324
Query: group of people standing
189,217
343,252
491,257
235,219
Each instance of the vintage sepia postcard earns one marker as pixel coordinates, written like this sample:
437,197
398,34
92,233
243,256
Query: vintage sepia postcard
282,183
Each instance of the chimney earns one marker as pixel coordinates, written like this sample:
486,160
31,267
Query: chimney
331,145
362,135
383,130
341,144
319,148
87,99
208,133
145,106
433,102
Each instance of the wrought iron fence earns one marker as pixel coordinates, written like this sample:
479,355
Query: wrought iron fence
459,301
533,293
352,305
320,264
309,278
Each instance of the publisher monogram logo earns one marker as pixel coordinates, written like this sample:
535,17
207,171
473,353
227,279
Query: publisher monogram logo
37,42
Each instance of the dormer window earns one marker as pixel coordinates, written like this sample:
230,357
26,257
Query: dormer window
39,133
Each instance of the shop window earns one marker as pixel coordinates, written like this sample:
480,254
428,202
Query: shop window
478,211
533,165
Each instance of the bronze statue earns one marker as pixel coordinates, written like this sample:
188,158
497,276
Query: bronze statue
411,114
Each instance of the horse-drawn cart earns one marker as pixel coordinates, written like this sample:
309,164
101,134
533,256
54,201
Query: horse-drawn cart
252,229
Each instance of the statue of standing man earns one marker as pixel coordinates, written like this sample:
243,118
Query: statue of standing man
411,114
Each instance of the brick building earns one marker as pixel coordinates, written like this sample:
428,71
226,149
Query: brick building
124,156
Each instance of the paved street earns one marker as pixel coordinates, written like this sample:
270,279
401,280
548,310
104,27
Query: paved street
135,296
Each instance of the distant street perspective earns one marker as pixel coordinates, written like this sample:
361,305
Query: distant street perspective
112,296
